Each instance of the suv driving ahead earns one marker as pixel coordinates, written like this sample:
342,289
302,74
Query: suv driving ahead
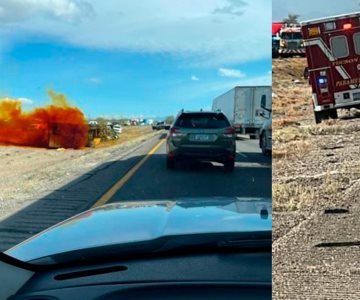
205,136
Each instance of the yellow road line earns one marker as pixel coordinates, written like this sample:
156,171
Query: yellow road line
118,185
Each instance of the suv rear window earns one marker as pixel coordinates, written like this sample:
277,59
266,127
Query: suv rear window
202,120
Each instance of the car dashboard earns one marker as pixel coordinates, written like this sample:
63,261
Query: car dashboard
240,275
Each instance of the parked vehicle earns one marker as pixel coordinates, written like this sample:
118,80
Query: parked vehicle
117,128
242,106
160,125
291,41
332,49
205,136
276,27
147,250
93,123
265,141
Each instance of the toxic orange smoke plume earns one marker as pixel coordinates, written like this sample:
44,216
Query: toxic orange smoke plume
56,125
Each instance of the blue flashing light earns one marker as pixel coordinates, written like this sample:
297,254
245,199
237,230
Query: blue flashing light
322,80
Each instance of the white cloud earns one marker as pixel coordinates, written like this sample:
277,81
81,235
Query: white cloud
309,9
194,78
231,73
26,100
12,11
233,7
94,80
218,87
198,35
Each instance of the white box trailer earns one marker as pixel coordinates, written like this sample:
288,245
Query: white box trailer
242,106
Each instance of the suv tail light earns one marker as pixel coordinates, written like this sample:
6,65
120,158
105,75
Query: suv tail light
176,132
229,132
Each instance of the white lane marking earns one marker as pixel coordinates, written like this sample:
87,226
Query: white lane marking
242,154
252,165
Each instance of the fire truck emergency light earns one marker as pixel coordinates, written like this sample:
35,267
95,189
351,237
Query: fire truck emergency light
347,26
322,80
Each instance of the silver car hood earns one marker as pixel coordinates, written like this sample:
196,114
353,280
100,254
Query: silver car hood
128,222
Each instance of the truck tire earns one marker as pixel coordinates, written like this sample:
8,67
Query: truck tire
333,114
326,114
263,144
170,163
229,165
319,116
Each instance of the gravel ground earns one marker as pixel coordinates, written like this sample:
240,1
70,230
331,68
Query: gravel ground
316,184
30,173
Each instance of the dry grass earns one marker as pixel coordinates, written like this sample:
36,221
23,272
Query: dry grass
293,94
129,133
291,150
288,134
307,192
280,123
291,196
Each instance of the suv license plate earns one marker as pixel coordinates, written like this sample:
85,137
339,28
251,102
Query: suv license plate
202,137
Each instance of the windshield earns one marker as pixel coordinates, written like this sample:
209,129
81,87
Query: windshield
202,120
291,36
98,100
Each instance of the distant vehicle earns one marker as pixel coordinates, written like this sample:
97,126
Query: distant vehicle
93,123
242,106
134,122
204,136
332,49
276,27
291,41
148,121
160,125
117,128
265,141
202,248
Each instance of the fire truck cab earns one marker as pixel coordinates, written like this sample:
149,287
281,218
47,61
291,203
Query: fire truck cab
291,41
333,56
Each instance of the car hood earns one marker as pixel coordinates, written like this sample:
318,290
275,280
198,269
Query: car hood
137,221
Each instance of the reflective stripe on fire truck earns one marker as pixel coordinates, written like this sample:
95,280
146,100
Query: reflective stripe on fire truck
344,74
319,42
322,46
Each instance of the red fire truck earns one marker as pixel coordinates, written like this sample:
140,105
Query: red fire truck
291,41
333,55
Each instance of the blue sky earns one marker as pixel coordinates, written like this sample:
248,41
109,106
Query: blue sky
310,9
127,58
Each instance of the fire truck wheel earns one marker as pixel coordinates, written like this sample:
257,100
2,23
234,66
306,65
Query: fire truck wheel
333,114
319,116
324,115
